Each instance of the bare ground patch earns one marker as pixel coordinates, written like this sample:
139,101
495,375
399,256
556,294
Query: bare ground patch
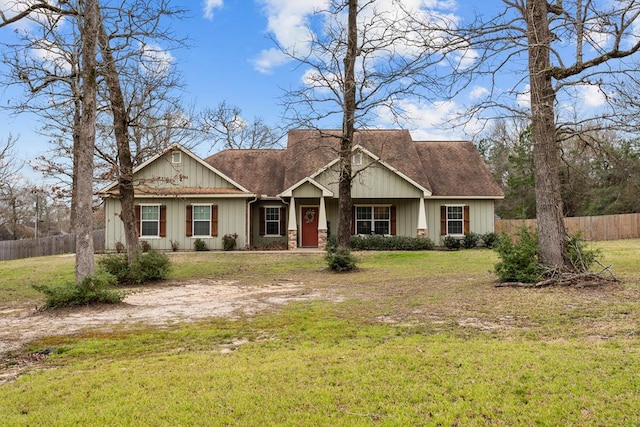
160,304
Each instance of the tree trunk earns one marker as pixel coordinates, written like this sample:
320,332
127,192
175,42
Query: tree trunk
86,144
546,159
345,207
77,124
125,163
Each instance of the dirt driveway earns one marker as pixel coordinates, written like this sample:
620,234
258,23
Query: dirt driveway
161,304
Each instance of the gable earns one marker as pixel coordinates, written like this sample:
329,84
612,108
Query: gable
176,171
372,179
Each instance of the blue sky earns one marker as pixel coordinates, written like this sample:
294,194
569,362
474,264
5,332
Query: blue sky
232,58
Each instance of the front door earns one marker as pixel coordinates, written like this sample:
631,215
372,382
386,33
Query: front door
309,219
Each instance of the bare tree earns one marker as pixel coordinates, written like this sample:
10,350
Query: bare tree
137,29
123,38
226,126
11,202
83,221
568,45
366,60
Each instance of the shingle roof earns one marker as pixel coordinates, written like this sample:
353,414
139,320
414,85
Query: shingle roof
447,169
260,171
455,168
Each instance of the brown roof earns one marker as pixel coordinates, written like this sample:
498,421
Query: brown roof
455,168
446,169
259,171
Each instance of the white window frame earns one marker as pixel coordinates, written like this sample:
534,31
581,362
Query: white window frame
357,158
454,220
373,219
268,221
176,157
143,220
194,220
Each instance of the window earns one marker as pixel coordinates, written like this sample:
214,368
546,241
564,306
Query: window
201,220
176,157
373,220
272,221
455,220
150,221
357,159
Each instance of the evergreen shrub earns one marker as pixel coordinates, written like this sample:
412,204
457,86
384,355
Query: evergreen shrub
94,289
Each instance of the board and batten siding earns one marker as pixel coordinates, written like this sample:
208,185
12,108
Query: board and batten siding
406,214
231,219
187,173
481,214
307,190
371,181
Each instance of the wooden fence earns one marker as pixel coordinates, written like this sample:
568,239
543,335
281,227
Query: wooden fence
605,227
54,245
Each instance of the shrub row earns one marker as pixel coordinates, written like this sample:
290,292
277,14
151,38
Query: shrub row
391,243
471,240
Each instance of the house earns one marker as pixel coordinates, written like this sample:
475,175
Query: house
288,198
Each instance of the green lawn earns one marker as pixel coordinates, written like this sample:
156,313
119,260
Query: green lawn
410,339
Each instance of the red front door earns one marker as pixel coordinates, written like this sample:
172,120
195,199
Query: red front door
309,220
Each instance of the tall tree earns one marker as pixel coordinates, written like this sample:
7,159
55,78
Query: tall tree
142,21
123,38
569,45
362,61
83,218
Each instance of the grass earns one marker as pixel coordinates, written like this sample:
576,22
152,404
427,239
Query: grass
414,339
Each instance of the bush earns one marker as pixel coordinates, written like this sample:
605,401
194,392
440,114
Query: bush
149,267
390,243
92,290
341,261
470,240
580,257
200,245
145,246
229,241
146,267
116,265
175,245
490,240
452,243
519,260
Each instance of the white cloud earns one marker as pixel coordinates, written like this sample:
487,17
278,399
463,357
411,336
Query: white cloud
209,6
53,58
288,21
155,60
269,59
524,98
591,96
478,92
436,121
